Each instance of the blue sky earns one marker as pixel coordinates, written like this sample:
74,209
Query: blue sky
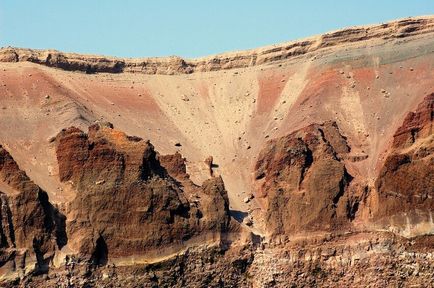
188,28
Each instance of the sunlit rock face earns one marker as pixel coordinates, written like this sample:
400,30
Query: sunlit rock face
303,164
405,185
128,201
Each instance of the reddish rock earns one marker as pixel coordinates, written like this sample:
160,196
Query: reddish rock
174,165
138,206
303,179
136,219
31,229
418,124
405,184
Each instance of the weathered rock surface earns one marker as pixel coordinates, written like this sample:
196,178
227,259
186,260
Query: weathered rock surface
175,65
320,175
31,229
405,185
360,260
127,203
304,181
134,210
417,124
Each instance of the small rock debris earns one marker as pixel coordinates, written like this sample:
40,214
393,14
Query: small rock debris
248,221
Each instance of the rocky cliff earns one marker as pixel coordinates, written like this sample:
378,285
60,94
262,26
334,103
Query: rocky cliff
304,180
31,230
176,65
126,202
304,164
405,184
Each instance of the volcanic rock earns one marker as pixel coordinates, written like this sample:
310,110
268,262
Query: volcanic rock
303,179
140,207
405,184
341,173
31,228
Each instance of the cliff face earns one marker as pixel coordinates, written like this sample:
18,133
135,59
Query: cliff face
31,229
305,180
306,186
175,65
308,163
405,185
127,203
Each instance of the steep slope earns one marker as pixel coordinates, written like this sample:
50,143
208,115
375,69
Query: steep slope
405,184
126,201
31,229
222,113
321,148
304,180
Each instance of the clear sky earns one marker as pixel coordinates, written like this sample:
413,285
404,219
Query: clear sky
188,28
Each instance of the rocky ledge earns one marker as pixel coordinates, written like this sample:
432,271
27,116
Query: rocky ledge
404,28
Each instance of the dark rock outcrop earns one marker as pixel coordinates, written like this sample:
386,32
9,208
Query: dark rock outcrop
405,184
130,201
31,229
303,180
417,124
174,165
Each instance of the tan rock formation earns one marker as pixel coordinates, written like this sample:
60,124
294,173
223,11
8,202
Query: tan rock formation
331,134
31,229
305,180
405,185
138,208
176,65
